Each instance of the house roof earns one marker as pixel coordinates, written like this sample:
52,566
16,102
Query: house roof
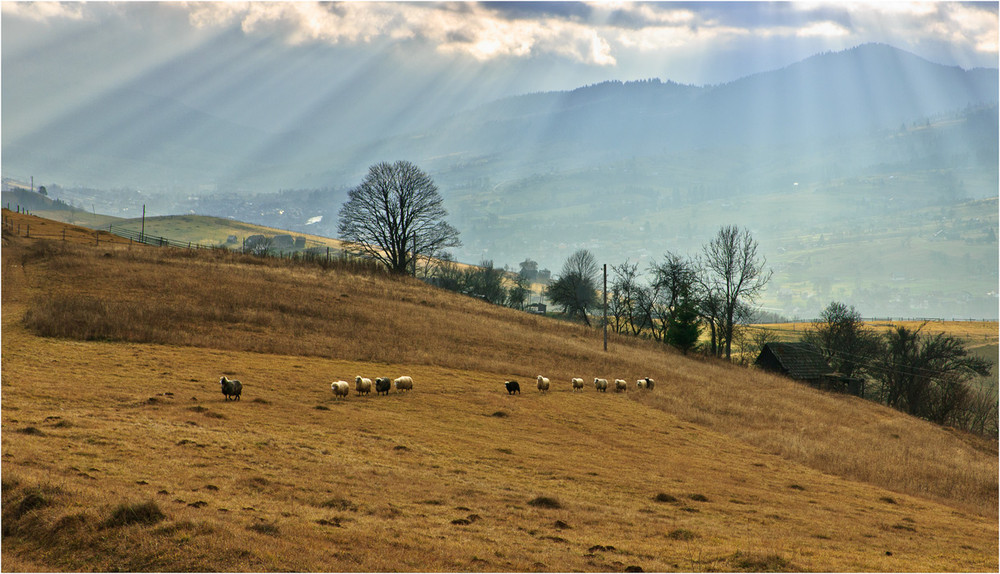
798,360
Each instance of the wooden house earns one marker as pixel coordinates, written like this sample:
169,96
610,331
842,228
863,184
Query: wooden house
805,362
800,361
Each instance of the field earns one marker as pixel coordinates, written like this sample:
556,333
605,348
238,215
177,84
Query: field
120,453
196,229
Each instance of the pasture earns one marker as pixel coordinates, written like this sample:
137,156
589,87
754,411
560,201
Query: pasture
120,452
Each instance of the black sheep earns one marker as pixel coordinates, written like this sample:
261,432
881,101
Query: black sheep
382,385
231,388
512,387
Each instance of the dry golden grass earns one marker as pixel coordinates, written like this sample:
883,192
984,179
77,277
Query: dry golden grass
719,468
40,227
974,332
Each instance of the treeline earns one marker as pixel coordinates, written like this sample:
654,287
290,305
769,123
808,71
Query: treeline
714,291
929,376
486,282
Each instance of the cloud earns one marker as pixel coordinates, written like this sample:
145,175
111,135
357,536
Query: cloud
825,29
43,11
595,34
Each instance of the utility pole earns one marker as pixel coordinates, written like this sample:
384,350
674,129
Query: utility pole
414,253
142,233
605,306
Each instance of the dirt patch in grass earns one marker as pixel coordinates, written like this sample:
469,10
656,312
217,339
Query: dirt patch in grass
545,502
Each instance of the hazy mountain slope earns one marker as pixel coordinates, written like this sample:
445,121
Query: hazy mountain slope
129,138
864,89
856,143
828,96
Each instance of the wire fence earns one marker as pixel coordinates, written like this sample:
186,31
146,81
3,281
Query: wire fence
280,245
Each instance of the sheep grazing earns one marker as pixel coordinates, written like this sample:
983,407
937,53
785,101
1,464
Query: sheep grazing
577,384
640,384
621,386
363,386
360,383
649,383
601,385
543,383
512,387
341,388
404,384
382,385
231,388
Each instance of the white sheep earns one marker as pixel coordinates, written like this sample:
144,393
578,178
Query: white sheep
640,384
340,388
363,386
361,383
601,385
577,383
404,384
621,386
543,383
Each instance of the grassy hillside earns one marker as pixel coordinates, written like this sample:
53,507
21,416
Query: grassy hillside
200,229
119,451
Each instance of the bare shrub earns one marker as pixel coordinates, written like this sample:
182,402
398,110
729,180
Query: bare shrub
752,562
545,502
144,513
682,534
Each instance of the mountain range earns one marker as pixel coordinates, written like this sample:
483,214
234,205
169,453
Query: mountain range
841,144
128,137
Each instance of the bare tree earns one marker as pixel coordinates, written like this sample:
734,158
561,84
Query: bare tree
736,272
519,292
927,376
576,288
484,282
674,278
846,343
623,299
674,287
396,215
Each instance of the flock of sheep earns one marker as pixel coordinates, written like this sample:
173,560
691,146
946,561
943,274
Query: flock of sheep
231,388
601,385
364,386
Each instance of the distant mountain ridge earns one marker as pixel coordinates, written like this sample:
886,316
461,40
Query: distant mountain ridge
133,139
837,94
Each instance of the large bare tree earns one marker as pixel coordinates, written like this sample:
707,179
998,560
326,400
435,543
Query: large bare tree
737,273
576,288
396,215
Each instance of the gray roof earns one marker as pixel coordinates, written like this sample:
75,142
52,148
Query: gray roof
801,361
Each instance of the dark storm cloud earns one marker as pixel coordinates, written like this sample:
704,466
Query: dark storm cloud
531,10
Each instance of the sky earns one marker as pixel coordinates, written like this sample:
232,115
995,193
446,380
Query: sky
55,55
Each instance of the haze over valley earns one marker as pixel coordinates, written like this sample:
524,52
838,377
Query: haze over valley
869,174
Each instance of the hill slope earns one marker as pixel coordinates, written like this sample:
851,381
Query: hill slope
120,453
